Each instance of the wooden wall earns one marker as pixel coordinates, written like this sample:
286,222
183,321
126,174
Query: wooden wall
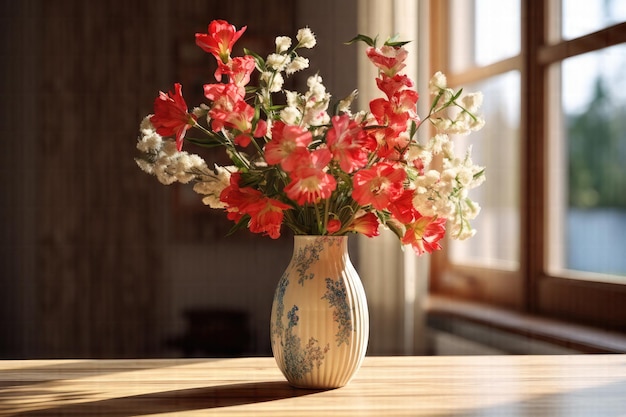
88,253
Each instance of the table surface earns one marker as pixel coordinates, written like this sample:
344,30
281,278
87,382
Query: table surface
558,385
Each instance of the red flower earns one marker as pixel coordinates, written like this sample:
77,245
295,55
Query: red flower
333,225
367,225
424,234
389,59
402,208
220,39
391,85
379,185
229,109
238,71
396,111
266,216
309,183
288,145
171,116
238,200
348,143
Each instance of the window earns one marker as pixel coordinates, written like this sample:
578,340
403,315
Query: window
552,232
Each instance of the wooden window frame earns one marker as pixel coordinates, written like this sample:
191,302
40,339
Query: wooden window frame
531,289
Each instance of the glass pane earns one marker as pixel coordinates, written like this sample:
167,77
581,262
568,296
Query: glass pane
496,147
584,17
592,232
483,32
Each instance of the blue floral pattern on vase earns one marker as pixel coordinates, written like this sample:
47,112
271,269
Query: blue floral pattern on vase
336,296
300,360
305,257
279,296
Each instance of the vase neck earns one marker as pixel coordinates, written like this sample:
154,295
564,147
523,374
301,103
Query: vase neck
333,241
320,246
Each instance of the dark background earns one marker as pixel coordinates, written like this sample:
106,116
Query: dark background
97,259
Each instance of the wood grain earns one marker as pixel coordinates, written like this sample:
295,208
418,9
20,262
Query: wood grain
564,385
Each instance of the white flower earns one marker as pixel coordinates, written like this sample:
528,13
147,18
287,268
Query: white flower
437,82
169,148
282,43
212,185
277,61
477,124
200,111
293,98
306,38
299,63
290,115
145,166
472,101
317,90
344,104
436,143
441,124
150,142
274,81
146,123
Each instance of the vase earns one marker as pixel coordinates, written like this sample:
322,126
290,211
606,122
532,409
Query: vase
319,324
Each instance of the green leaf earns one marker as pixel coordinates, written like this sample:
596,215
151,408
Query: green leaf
363,38
209,142
394,42
241,224
260,62
395,229
413,129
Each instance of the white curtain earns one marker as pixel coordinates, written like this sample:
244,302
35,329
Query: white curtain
395,280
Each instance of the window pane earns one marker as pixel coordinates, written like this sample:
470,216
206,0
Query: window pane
584,17
592,232
496,146
490,34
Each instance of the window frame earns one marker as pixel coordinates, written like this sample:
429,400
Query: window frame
531,289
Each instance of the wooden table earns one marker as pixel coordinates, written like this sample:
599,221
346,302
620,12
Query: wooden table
532,386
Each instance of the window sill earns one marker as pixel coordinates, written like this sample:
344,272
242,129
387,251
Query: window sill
442,310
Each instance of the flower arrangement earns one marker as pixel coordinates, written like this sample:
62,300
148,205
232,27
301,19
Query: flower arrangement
313,170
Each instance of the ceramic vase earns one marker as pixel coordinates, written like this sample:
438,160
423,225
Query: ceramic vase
319,323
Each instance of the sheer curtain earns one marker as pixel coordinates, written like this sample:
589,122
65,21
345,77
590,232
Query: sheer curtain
395,280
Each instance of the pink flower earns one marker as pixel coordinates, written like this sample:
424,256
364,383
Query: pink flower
309,182
379,185
171,116
348,143
392,142
366,224
288,145
238,71
424,234
391,85
396,111
240,119
389,59
226,100
220,39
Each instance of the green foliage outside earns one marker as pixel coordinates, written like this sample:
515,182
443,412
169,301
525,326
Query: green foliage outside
597,153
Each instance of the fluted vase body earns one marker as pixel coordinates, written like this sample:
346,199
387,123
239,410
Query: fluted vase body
319,323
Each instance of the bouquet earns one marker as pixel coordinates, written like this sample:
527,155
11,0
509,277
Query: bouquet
310,164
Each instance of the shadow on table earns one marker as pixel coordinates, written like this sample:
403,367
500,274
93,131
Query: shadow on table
179,400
